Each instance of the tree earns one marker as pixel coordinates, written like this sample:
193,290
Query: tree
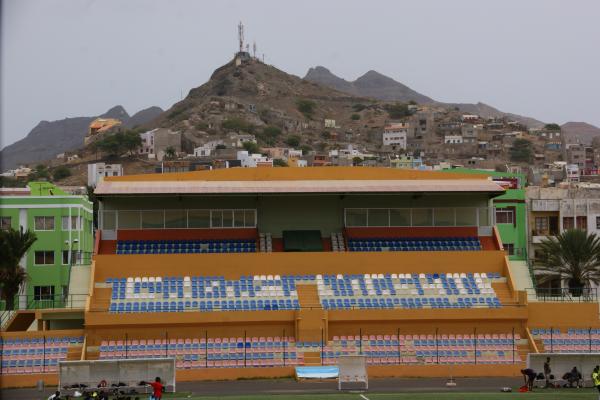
293,141
573,256
355,117
61,172
40,172
357,161
92,197
269,135
305,149
398,110
278,162
251,147
521,151
170,153
131,140
552,127
13,246
306,107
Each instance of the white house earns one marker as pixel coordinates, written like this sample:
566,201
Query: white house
253,160
207,148
98,171
147,146
395,135
453,139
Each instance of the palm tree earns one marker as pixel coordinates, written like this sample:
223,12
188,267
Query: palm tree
13,246
573,256
170,153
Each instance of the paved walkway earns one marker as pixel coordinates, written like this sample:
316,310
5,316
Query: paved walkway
290,386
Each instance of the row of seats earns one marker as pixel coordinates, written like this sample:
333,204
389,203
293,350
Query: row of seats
457,290
276,351
35,355
211,353
186,246
278,292
572,341
200,293
414,244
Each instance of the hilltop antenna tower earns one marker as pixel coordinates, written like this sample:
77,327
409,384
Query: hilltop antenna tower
241,36
254,49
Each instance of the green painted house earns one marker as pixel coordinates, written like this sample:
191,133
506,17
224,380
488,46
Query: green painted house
511,210
64,228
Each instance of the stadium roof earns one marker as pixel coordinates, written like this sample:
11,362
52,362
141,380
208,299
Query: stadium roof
297,180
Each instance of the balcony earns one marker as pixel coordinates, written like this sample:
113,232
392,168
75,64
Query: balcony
545,205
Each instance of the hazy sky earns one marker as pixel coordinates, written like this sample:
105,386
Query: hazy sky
67,58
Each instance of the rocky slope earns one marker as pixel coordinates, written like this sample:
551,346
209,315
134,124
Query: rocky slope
50,138
381,87
580,131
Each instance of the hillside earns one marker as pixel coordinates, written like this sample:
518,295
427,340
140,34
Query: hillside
252,96
49,138
381,87
372,84
580,131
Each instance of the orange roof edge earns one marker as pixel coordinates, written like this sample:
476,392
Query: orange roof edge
297,174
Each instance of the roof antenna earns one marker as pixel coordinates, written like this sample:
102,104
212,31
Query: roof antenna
241,36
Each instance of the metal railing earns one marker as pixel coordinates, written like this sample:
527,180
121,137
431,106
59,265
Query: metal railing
33,302
566,295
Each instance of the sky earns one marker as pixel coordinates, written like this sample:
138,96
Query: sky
69,58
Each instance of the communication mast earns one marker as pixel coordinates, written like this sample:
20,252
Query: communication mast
241,35
254,49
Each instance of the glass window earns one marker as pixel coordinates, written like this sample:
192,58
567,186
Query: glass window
238,218
227,218
44,223
216,219
153,219
74,223
505,216
484,217
199,218
541,226
422,216
582,223
509,248
43,292
44,257
5,223
109,220
444,216
356,217
129,219
379,217
175,219
399,217
250,218
597,222
568,223
466,216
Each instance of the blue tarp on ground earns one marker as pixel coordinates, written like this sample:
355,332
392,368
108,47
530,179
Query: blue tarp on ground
317,372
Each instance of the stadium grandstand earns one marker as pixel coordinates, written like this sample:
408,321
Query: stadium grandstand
241,273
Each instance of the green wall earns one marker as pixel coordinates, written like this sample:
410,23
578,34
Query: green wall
24,209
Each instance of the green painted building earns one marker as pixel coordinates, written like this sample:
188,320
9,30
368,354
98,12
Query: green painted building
63,225
511,210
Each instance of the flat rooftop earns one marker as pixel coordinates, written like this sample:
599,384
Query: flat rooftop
298,180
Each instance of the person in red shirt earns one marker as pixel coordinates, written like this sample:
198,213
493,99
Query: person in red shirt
157,388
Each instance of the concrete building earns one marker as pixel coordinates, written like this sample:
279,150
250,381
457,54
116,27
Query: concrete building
164,138
453,139
406,161
63,225
98,171
207,148
147,146
237,140
253,160
395,135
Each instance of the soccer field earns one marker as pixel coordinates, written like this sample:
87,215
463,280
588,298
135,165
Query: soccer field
578,394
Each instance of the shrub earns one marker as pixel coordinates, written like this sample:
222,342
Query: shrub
251,147
355,117
306,107
398,110
358,107
552,127
238,124
521,151
269,135
61,172
278,162
293,140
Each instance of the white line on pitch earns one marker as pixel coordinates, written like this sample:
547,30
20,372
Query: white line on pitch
364,397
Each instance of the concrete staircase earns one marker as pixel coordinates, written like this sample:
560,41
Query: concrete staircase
522,278
79,285
503,292
308,296
312,358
